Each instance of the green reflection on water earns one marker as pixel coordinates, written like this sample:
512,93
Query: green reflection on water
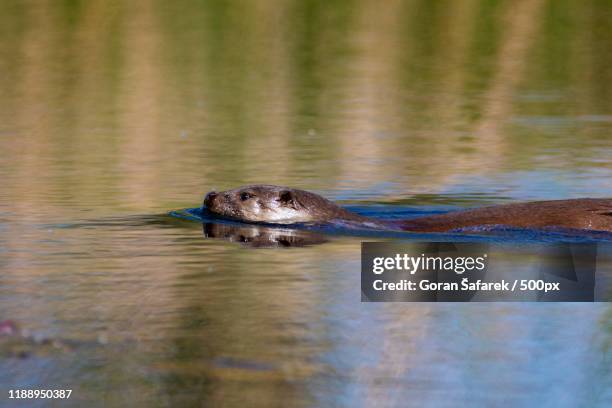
169,99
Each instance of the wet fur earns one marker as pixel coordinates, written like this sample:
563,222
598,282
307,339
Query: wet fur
583,213
284,205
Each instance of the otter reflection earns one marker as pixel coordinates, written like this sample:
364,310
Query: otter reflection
260,236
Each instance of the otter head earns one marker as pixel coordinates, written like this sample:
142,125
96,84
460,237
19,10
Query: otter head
270,204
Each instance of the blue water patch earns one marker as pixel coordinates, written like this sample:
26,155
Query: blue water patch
485,233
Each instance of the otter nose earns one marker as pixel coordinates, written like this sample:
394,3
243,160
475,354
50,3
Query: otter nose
209,198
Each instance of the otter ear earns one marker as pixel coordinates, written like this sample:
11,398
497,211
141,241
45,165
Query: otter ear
286,198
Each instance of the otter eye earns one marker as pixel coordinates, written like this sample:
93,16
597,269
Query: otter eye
285,197
245,196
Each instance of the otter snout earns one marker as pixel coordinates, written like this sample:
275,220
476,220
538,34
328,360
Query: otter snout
209,199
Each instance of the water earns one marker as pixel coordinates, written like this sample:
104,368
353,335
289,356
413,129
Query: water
113,114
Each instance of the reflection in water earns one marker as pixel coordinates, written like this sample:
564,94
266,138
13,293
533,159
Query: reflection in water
111,109
258,236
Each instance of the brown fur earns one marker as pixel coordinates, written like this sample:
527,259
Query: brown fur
594,214
583,213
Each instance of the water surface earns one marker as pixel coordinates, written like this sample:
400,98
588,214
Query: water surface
112,114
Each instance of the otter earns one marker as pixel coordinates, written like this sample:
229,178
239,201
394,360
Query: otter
283,205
